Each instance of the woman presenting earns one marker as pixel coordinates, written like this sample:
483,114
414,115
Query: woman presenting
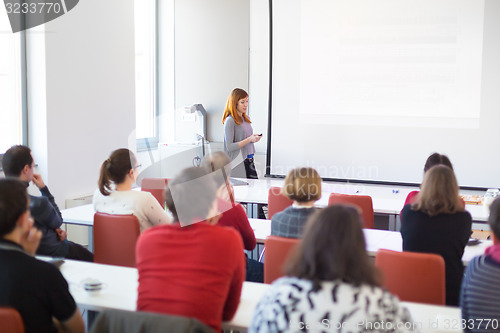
238,132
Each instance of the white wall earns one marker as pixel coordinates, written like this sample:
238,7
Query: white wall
88,80
211,55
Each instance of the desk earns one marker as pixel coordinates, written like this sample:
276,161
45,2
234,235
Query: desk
121,293
375,240
387,200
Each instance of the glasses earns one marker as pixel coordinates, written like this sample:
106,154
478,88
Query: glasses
138,166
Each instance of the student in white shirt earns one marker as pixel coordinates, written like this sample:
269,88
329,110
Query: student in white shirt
115,195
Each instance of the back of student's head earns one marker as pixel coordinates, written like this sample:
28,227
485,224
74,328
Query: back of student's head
115,169
436,159
439,192
15,159
13,203
333,248
302,185
494,219
219,164
190,196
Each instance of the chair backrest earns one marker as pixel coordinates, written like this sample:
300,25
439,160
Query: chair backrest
277,251
114,239
413,277
155,186
364,202
10,321
276,202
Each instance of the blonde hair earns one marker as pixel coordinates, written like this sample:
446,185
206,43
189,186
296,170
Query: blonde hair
232,101
302,185
439,192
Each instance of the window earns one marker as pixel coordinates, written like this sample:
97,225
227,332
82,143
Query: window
12,83
146,100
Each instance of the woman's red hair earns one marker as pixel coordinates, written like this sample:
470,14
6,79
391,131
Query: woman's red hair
232,101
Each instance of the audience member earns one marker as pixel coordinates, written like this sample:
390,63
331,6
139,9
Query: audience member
331,284
115,195
480,295
432,160
18,162
36,289
232,214
438,223
191,268
303,186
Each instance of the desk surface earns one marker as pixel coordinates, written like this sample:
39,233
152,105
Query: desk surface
120,292
375,240
386,199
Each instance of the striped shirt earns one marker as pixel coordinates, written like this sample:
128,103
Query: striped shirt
480,295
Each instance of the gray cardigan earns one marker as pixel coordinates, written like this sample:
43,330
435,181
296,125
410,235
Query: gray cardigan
234,133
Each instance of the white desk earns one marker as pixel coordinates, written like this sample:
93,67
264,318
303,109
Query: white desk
375,240
120,292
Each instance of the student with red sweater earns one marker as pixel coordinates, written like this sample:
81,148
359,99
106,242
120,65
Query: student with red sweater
192,268
232,214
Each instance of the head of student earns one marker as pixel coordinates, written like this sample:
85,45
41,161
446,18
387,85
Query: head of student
436,159
236,101
191,196
494,220
439,192
18,162
302,185
14,205
219,164
121,164
333,248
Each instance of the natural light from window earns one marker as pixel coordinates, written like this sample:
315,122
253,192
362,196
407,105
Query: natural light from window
145,82
10,86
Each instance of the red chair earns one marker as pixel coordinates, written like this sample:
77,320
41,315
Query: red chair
364,202
155,186
114,239
276,202
10,321
277,251
413,277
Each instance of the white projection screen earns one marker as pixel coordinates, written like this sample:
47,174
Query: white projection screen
367,89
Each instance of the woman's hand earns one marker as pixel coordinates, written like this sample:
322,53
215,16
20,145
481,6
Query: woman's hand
255,138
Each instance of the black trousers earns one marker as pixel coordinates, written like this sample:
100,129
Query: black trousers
250,168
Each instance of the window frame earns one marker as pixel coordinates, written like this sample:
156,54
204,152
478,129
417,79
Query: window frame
149,143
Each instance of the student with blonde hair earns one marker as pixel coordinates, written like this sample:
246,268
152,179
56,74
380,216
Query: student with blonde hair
303,186
115,195
438,223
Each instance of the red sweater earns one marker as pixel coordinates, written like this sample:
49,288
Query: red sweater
236,217
195,271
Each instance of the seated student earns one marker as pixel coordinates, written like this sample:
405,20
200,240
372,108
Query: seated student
18,162
303,186
192,268
115,195
330,284
438,223
480,295
34,288
233,215
432,160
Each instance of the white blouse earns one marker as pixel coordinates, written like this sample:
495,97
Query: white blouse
141,204
291,305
